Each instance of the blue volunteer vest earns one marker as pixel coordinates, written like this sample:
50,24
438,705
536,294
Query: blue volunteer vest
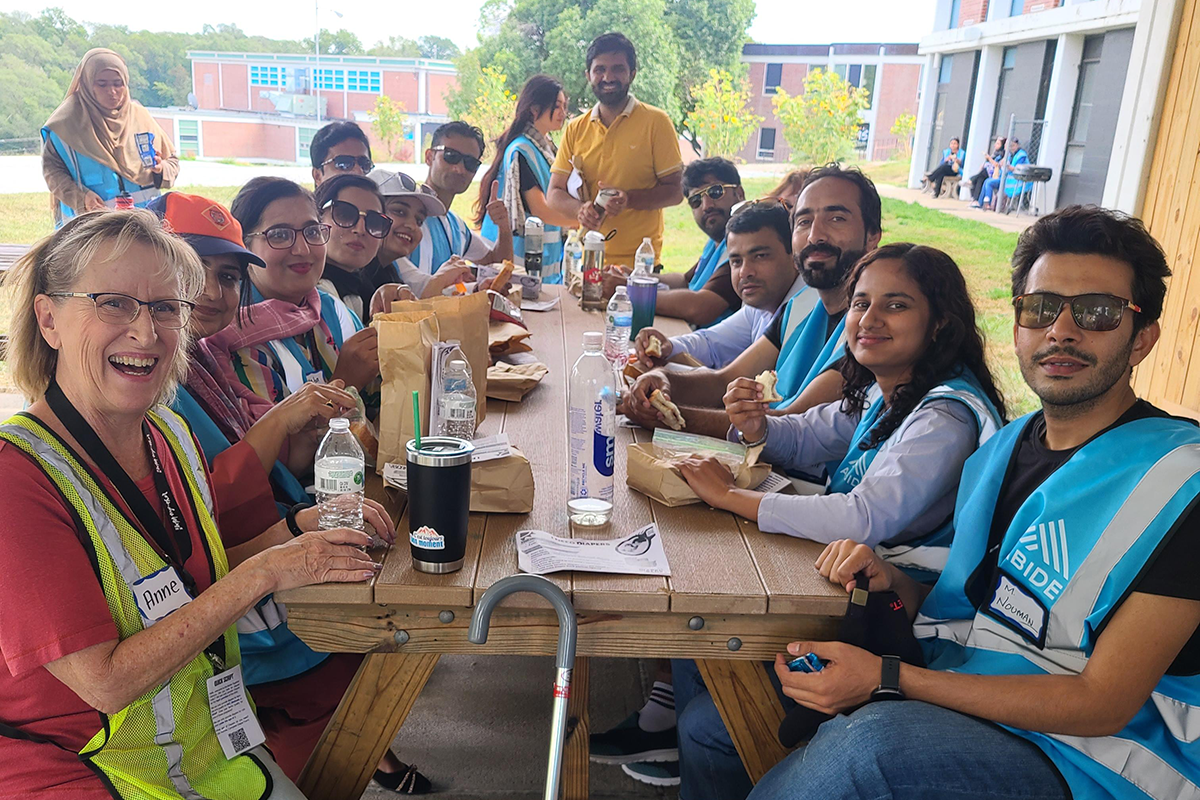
91,174
711,258
1074,550
807,351
925,556
1012,186
288,353
552,252
442,238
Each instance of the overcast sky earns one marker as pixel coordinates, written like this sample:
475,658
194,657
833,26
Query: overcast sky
778,21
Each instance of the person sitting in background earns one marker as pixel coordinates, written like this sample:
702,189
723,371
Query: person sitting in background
704,294
105,689
789,188
989,197
759,239
990,168
836,221
453,159
290,330
339,148
950,166
522,171
91,158
1061,639
409,207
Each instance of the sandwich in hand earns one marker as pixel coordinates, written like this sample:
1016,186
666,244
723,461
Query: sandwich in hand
669,410
506,271
767,381
654,347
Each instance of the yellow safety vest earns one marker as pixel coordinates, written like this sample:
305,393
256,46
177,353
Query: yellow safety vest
162,746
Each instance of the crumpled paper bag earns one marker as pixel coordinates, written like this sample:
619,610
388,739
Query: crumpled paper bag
502,485
505,337
656,475
512,382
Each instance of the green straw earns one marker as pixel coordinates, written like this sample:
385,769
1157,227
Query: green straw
417,418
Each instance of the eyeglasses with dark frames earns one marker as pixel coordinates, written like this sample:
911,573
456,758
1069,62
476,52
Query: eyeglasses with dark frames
121,309
346,215
1091,312
281,237
715,191
453,157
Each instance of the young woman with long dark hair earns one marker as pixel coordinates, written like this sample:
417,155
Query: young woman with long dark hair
522,168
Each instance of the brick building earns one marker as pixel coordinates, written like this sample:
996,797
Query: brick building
891,72
264,106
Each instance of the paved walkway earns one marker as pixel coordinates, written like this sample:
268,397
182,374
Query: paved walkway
958,208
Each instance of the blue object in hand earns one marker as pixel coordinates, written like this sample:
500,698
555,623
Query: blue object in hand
806,663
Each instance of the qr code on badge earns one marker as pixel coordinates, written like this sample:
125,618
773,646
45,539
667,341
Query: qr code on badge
239,740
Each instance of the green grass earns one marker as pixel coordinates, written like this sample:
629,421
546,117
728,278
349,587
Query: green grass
982,252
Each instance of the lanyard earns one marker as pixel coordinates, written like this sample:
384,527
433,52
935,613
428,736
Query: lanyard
176,543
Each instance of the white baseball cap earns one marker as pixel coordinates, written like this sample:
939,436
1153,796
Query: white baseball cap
397,184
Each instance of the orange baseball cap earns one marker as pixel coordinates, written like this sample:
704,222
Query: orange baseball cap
204,224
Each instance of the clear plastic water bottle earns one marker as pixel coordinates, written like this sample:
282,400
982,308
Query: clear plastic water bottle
618,323
456,406
572,256
340,478
643,259
592,421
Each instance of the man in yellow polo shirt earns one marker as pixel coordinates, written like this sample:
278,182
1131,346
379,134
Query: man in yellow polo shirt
623,146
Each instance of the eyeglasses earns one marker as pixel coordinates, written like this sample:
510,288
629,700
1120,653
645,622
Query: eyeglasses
453,157
346,215
347,163
281,237
1091,312
716,191
122,309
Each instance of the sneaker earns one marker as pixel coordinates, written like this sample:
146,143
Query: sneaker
664,773
628,743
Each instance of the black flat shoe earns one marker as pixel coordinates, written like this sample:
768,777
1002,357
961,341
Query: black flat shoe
405,780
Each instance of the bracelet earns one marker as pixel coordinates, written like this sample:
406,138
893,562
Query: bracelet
290,518
761,440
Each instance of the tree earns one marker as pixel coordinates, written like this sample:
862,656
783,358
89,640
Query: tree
821,124
437,47
491,109
721,118
904,127
397,47
389,121
342,43
710,34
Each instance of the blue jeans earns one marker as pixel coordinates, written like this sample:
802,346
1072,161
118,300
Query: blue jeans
709,765
910,750
990,187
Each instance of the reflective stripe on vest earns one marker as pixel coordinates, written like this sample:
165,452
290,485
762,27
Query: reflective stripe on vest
174,719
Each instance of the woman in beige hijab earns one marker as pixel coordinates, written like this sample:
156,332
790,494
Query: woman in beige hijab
92,158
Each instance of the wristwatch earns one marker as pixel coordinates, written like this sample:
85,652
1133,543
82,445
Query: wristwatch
889,680
290,518
742,438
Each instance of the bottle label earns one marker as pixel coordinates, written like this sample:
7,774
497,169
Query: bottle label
603,442
621,321
457,411
338,480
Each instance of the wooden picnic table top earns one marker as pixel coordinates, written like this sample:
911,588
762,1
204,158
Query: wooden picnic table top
720,564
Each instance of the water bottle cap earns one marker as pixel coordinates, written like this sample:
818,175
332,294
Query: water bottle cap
457,364
339,424
593,340
621,290
593,240
646,240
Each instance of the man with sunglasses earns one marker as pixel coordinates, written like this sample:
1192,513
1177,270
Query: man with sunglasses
453,159
704,294
339,148
623,146
1061,637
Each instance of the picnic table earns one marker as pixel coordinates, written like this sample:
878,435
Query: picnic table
735,596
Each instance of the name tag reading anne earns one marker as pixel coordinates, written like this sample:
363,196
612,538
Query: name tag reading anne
160,593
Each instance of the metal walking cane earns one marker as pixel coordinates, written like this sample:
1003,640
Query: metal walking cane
564,660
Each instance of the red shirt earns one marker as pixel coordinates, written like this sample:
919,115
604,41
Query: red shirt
52,605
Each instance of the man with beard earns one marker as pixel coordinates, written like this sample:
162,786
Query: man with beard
623,154
1061,637
837,220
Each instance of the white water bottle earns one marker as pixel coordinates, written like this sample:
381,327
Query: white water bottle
572,256
340,474
643,259
618,324
456,404
592,421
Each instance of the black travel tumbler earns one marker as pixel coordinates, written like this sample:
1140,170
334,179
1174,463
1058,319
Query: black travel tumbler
439,500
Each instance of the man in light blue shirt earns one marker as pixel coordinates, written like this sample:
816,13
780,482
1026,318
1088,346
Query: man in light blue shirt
762,271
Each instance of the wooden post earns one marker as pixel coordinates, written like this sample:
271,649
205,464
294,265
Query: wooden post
575,758
365,723
751,710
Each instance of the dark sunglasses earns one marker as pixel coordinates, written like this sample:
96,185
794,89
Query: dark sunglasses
716,191
347,163
346,215
281,237
453,157
1091,312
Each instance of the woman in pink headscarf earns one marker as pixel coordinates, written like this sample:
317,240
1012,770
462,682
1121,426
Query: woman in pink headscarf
102,148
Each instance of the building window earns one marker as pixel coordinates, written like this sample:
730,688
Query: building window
331,79
268,76
944,70
955,12
1003,102
188,131
1016,8
822,67
843,70
304,141
766,144
868,83
773,78
362,80
1081,117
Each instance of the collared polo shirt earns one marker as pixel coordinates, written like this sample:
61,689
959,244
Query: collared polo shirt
637,150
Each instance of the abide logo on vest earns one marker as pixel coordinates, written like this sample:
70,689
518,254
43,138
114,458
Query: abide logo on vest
1041,557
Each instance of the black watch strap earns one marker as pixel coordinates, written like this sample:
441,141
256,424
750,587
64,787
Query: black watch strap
889,680
290,518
